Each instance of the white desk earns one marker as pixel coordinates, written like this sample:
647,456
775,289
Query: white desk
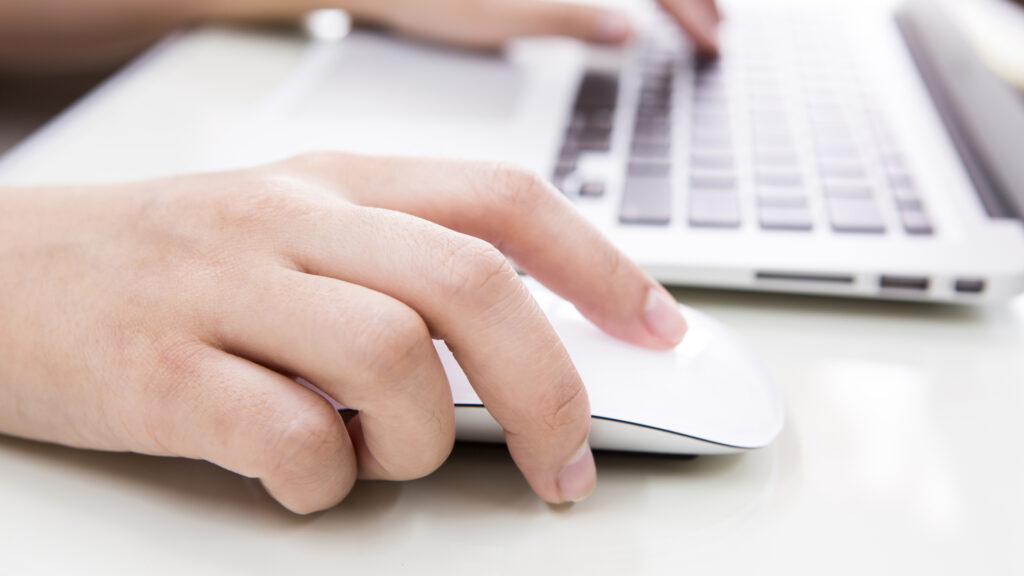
902,452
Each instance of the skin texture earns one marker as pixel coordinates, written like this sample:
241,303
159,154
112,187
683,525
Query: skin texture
42,36
170,317
173,317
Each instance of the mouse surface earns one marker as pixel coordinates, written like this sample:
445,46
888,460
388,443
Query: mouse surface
709,395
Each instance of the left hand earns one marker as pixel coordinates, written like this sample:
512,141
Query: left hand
56,35
485,23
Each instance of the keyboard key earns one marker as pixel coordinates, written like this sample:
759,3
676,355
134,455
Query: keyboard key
906,196
598,91
781,196
900,179
600,120
714,210
592,189
653,127
565,166
712,181
834,188
784,217
775,157
651,149
841,169
915,221
712,140
595,144
855,215
711,160
767,177
646,200
648,167
837,149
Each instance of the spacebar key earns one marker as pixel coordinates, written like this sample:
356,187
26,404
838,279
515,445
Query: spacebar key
646,200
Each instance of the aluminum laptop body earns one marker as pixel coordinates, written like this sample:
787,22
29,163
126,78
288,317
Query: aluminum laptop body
852,149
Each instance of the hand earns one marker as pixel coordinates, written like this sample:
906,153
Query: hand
56,34
172,318
484,23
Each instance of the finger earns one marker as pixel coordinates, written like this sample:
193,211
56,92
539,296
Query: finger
700,19
364,349
528,220
543,18
470,296
257,423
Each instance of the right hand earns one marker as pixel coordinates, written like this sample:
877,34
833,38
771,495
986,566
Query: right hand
172,318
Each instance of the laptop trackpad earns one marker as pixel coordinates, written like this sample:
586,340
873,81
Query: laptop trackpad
373,93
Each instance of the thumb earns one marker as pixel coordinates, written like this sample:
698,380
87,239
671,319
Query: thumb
589,23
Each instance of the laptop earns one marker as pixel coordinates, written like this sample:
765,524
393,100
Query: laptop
852,149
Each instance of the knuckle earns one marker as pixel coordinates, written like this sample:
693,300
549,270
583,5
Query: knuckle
267,201
517,191
175,388
474,267
300,444
181,361
391,339
317,160
569,406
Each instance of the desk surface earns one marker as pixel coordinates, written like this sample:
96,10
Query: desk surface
902,450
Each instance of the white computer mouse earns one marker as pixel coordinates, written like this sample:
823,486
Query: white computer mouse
709,395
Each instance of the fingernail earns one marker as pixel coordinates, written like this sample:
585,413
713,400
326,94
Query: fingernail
577,479
612,26
662,316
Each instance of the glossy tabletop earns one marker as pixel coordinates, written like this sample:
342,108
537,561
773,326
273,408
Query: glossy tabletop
902,452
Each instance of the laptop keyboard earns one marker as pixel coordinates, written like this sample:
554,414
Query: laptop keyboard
779,133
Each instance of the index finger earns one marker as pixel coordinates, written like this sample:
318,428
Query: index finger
528,220
700,19
469,296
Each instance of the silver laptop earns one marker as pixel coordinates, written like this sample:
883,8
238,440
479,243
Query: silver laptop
847,150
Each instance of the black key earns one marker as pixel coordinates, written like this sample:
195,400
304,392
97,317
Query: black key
591,133
653,127
602,119
565,166
855,215
598,91
714,210
651,149
592,189
646,200
595,144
